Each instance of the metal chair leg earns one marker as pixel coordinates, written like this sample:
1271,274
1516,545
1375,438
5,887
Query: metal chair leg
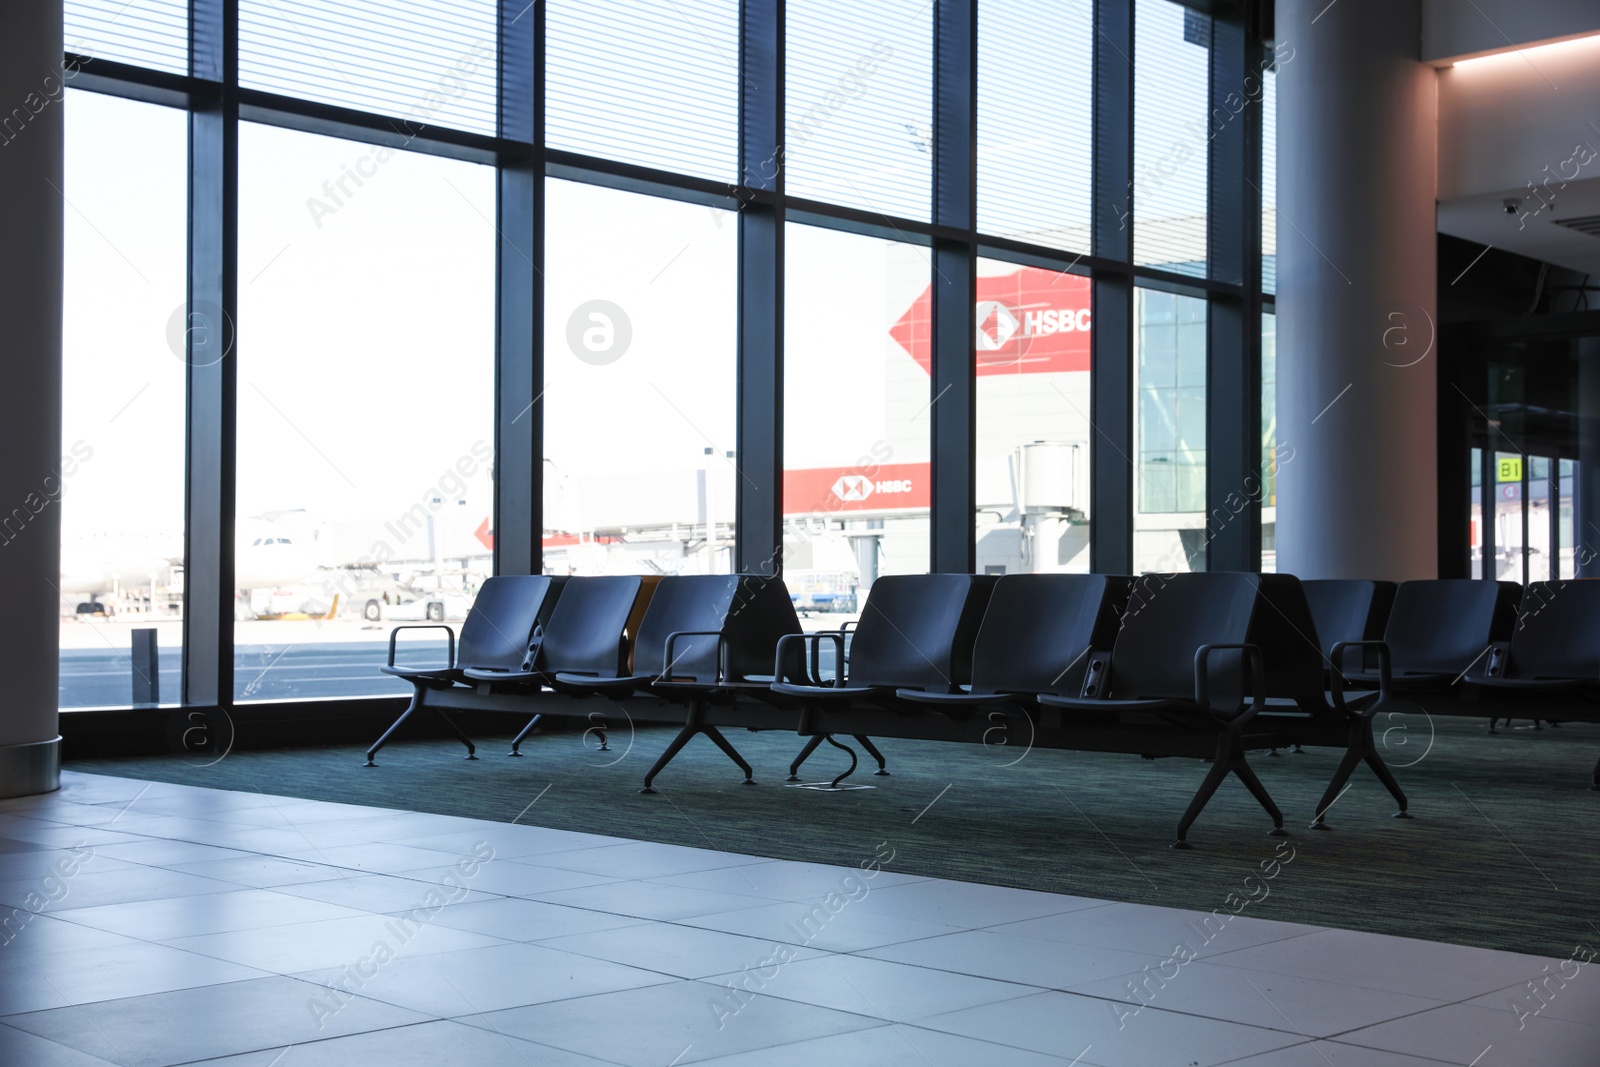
1214,776
461,735
732,753
872,750
516,742
688,731
416,702
805,753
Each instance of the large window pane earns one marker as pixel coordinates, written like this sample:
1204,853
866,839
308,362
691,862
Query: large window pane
366,377
146,33
1171,132
647,83
1032,362
121,477
855,414
430,63
1269,441
640,472
1269,181
1169,431
1035,120
860,104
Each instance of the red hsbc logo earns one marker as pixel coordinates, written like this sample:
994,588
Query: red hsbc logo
878,487
1031,321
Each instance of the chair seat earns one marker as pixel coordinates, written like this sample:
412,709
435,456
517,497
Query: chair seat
594,683
1538,684
1049,700
477,674
432,674
960,700
817,692
1399,682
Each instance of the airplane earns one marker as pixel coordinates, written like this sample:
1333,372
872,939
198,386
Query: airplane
98,571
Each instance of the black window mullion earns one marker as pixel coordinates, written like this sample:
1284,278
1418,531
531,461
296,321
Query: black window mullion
519,295
1233,320
758,538
1111,476
210,354
953,396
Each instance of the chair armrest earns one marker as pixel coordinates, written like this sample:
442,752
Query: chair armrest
1336,677
672,640
814,641
395,633
1498,654
1257,678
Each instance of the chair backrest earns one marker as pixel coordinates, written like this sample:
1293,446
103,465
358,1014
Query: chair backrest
1038,629
1167,622
1294,650
1558,632
1442,625
496,632
750,611
917,631
587,633
1349,609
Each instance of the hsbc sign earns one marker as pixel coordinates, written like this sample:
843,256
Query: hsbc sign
1031,321
885,487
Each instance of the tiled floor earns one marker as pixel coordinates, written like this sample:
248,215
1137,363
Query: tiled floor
159,924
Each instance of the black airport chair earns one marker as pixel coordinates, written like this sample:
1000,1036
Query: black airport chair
586,638
1182,662
705,641
1306,691
1438,630
494,637
916,632
1036,636
1551,664
1349,609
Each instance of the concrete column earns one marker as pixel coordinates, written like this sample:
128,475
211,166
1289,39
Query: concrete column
31,144
1357,334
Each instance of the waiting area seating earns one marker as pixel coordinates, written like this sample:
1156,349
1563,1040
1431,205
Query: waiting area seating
1208,666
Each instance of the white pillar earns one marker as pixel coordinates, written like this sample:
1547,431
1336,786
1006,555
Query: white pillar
1357,322
31,144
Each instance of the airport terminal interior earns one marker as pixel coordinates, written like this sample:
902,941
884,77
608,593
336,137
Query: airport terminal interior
777,532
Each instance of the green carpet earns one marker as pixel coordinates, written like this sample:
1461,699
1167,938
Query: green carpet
1501,853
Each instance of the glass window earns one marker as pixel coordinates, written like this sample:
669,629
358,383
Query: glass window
1169,433
647,83
431,63
1269,181
1566,471
1171,132
1476,547
1269,441
856,427
121,477
1036,120
640,473
1508,518
860,105
1540,550
1033,435
366,423
146,33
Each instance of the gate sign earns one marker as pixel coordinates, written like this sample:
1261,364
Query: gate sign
1509,470
876,487
1031,321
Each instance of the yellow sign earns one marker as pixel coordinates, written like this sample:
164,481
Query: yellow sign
1510,470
